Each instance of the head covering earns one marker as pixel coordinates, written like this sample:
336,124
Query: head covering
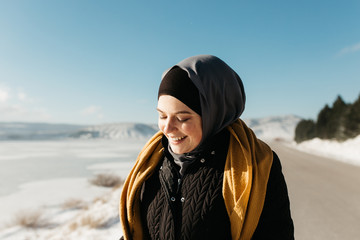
177,83
221,92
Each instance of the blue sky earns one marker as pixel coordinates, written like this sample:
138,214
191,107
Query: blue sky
93,62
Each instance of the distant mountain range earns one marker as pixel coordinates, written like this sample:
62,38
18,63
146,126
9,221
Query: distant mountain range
265,128
117,131
36,131
280,127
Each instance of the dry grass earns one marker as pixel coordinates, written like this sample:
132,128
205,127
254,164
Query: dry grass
93,222
31,219
107,180
74,204
102,199
73,226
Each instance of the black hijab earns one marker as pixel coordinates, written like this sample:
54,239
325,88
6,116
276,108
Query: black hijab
221,92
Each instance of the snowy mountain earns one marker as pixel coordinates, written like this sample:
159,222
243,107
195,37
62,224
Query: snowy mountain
45,131
36,131
265,128
117,131
279,127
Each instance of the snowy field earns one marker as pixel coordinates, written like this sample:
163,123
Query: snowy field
48,182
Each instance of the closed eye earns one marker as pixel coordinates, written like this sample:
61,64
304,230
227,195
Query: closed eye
183,120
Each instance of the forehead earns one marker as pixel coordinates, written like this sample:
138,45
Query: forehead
170,104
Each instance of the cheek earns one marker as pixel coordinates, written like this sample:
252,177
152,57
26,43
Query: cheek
198,136
195,132
160,125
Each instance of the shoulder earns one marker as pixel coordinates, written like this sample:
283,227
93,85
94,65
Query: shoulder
276,218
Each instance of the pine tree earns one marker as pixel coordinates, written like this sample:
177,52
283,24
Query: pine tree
352,123
322,122
336,124
341,121
305,130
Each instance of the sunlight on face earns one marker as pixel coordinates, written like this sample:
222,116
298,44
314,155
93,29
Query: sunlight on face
180,124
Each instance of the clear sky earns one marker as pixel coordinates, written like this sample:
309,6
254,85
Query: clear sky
93,62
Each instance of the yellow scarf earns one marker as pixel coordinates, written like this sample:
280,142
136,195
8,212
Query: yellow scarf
246,173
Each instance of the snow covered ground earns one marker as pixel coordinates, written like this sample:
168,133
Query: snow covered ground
48,180
80,217
347,151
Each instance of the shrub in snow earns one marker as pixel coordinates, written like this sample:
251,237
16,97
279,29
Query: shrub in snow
31,219
92,221
74,204
107,180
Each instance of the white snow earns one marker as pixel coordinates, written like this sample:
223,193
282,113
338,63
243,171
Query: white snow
97,220
347,151
43,175
44,131
279,127
33,181
120,131
283,127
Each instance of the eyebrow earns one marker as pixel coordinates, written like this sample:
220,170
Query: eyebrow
179,112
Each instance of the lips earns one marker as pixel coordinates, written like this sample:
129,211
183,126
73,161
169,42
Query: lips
176,139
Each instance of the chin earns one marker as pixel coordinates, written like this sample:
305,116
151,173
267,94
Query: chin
177,150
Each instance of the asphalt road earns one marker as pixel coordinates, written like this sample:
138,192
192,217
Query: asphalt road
324,195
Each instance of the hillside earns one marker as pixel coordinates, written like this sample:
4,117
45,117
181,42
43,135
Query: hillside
46,131
280,127
118,131
265,128
36,131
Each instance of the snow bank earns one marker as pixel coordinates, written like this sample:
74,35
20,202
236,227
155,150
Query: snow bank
347,151
98,220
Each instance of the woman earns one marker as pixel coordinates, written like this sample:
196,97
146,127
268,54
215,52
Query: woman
205,175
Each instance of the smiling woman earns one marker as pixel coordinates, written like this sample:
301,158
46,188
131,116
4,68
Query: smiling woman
180,124
205,175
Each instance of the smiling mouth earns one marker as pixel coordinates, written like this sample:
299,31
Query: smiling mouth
176,139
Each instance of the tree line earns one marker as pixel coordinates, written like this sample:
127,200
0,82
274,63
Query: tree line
340,122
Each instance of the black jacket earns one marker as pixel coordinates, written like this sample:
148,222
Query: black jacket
192,206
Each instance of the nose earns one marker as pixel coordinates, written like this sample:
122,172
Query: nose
169,126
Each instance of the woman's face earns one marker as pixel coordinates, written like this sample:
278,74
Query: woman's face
181,125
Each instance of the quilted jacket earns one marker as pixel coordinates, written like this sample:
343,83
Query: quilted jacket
192,207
